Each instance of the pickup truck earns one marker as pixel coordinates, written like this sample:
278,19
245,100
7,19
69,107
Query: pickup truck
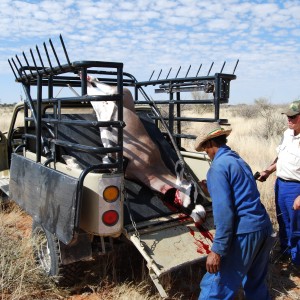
80,211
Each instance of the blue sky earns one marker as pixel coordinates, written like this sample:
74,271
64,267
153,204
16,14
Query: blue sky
149,35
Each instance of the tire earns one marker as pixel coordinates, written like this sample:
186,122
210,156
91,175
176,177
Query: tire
46,251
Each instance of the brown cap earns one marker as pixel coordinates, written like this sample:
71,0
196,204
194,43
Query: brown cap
208,131
293,109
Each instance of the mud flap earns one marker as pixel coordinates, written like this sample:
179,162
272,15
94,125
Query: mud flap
49,196
171,242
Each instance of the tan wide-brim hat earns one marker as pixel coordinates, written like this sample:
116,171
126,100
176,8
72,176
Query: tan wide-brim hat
208,131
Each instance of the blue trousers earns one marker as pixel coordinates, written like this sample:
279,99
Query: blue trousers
245,265
288,219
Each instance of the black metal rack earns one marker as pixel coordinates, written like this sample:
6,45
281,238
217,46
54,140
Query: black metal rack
218,85
67,74
46,78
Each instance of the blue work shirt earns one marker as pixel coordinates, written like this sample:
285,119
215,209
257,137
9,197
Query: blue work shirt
237,208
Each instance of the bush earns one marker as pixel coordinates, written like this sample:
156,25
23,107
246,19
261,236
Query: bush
244,111
274,122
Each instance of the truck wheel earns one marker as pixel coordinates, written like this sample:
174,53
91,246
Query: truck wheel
47,255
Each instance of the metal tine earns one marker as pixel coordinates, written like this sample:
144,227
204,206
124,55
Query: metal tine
48,57
65,50
39,54
27,63
54,52
199,70
12,68
151,75
169,73
33,59
187,71
21,65
20,74
223,67
237,62
210,68
178,72
159,74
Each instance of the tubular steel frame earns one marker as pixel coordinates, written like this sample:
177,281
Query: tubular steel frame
67,74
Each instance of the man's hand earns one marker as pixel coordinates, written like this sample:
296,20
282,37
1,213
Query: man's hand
263,176
296,204
213,262
203,185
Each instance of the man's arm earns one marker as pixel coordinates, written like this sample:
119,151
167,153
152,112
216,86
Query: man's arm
266,173
223,212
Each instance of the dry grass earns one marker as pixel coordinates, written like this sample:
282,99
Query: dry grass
124,276
19,276
6,114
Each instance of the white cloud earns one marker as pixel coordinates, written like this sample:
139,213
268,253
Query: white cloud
147,34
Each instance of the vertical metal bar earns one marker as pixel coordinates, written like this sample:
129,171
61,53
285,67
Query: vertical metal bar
21,66
33,59
54,52
120,116
20,74
136,93
65,50
237,62
159,74
38,128
188,71
12,69
169,73
27,63
59,109
217,97
178,107
198,70
223,67
50,87
54,109
151,75
83,81
26,109
178,72
39,55
48,57
171,113
210,68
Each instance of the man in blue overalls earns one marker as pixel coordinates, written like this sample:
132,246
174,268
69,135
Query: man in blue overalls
243,239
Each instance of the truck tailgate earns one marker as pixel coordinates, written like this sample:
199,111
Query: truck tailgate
171,242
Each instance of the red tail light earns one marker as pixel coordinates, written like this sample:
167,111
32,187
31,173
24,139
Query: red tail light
110,218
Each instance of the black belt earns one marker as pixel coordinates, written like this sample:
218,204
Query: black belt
296,181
